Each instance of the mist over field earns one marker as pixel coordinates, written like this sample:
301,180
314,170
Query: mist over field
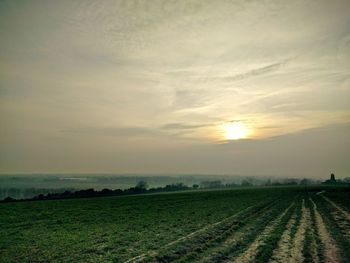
27,186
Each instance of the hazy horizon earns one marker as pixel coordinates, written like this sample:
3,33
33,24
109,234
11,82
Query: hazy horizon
175,87
209,176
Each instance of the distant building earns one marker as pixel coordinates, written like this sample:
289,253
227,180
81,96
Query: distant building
332,180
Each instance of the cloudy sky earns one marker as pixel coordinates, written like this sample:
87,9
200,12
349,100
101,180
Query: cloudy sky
151,87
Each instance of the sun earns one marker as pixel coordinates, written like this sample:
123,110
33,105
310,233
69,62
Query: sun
235,130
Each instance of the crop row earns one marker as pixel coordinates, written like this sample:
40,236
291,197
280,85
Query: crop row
225,240
302,228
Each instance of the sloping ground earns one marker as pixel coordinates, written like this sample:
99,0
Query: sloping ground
344,213
192,247
289,230
114,229
341,217
268,225
227,239
290,246
338,226
251,252
240,240
221,227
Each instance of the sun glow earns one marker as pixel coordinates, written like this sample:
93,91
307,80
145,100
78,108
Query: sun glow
235,130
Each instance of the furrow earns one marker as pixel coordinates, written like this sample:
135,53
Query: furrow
345,213
207,246
253,249
282,252
310,250
298,242
220,252
199,239
331,252
340,216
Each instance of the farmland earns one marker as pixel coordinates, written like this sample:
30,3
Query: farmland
282,224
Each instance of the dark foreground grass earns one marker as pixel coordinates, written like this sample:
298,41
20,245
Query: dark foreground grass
191,249
115,229
111,229
340,197
336,231
265,251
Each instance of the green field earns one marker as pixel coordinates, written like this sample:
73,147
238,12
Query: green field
240,225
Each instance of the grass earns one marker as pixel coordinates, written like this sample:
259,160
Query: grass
336,231
265,251
115,229
251,231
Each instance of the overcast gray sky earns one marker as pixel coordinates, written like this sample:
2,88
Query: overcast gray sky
150,86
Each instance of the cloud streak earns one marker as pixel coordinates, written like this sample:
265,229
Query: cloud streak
144,75
257,72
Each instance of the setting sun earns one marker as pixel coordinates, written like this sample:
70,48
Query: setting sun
235,130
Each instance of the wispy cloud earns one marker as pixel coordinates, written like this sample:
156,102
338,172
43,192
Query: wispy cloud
167,71
257,71
114,131
184,126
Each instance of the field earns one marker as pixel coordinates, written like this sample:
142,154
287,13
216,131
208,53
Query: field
290,224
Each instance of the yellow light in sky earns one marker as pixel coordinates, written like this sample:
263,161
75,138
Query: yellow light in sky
235,130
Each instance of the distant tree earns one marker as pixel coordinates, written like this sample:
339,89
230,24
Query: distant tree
246,182
231,185
142,185
212,184
9,199
140,188
175,187
85,193
117,192
106,191
346,180
304,181
195,186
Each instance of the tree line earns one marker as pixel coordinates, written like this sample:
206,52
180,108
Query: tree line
140,188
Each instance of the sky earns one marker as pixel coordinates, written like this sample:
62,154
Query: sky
161,86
